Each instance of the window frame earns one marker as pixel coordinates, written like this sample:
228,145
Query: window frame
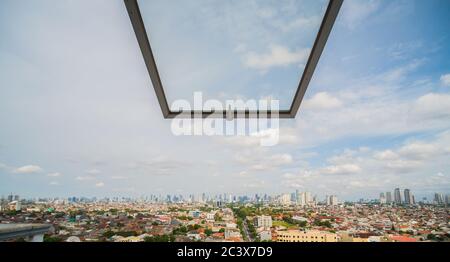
326,26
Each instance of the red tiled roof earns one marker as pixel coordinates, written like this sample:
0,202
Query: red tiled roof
403,239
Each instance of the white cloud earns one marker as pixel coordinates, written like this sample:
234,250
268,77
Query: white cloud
280,159
118,177
84,178
29,169
56,174
433,105
403,166
344,169
419,150
356,11
100,184
412,165
54,183
322,100
386,155
278,56
263,160
302,23
255,184
93,171
445,80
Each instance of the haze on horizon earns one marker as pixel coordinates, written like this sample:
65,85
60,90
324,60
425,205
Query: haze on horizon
79,117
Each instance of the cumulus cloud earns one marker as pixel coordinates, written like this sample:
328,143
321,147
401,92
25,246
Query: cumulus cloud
278,56
29,169
301,23
93,171
56,174
118,177
84,178
344,169
410,164
322,100
433,105
445,80
99,184
262,160
386,155
356,11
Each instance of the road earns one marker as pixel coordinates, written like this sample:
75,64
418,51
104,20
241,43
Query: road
247,232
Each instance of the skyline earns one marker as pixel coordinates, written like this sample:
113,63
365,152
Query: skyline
78,117
382,198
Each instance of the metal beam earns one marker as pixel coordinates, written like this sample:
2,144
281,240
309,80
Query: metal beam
318,47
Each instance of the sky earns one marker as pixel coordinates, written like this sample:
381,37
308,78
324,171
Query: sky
79,117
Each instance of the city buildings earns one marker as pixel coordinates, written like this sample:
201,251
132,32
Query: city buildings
261,217
262,221
382,198
388,198
397,196
331,200
306,236
409,198
439,198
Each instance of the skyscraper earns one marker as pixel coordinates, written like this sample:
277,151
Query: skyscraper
408,197
382,199
285,199
388,198
397,196
331,200
438,198
308,198
301,199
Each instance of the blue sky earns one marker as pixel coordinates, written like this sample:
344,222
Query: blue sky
79,117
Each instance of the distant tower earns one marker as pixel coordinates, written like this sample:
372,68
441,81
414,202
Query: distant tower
301,199
308,198
438,199
408,197
397,196
382,199
388,198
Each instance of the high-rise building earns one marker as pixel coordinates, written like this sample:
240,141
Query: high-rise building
301,199
408,197
388,198
285,199
438,198
382,199
397,196
332,200
308,198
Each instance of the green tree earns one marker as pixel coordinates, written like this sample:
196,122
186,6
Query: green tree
208,232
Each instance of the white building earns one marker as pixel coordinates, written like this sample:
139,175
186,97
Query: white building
262,221
332,200
210,216
265,235
285,199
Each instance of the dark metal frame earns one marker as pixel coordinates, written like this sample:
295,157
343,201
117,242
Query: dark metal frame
319,44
